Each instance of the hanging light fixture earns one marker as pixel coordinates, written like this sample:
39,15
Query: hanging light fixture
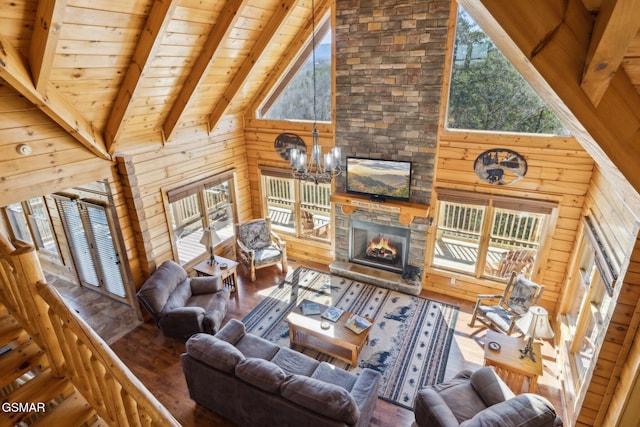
320,168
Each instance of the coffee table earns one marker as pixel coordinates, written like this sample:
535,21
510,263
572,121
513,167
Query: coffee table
336,341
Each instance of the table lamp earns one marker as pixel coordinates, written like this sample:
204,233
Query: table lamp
210,239
534,325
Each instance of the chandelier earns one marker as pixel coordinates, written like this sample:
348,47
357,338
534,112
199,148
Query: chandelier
320,168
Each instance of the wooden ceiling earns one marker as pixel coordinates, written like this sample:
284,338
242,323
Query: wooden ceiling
118,73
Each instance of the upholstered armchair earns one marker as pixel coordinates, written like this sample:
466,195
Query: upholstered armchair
257,246
481,398
183,306
501,311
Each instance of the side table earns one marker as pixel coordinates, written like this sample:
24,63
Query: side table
521,375
227,275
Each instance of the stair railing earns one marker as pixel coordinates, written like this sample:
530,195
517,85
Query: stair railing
74,349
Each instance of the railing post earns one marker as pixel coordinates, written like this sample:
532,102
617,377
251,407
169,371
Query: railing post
28,273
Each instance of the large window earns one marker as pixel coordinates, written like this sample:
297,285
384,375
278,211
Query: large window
293,96
586,313
491,236
488,93
296,207
196,206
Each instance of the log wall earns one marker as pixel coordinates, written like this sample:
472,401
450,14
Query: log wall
260,135
559,170
610,379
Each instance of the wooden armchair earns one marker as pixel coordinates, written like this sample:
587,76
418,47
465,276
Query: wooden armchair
519,261
514,302
257,246
309,226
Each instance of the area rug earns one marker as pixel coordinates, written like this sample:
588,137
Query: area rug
409,341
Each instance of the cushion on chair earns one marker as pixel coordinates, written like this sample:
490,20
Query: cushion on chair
261,373
179,298
327,399
214,352
522,295
161,284
255,235
267,255
497,315
490,387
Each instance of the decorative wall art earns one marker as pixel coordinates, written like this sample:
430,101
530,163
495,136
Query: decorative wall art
285,142
500,166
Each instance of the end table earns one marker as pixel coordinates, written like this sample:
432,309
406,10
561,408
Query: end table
521,375
223,268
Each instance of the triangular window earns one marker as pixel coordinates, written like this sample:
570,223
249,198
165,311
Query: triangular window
293,96
488,93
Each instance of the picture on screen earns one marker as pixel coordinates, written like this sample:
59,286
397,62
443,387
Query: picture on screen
379,178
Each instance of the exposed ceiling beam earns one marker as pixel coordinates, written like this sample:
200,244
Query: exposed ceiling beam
245,69
150,39
46,32
14,69
547,41
223,26
616,25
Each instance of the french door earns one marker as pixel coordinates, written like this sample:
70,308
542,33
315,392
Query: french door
89,227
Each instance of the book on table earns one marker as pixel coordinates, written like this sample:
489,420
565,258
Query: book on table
308,307
357,324
332,313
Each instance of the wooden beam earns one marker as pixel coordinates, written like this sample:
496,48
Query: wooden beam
222,28
150,39
244,71
44,41
15,71
616,25
547,42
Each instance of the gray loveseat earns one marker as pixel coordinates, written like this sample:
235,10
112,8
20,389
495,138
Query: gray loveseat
478,399
182,305
254,382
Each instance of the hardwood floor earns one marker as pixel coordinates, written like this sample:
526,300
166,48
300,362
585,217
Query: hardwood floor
154,359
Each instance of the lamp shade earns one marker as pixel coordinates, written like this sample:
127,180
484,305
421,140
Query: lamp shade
535,323
209,237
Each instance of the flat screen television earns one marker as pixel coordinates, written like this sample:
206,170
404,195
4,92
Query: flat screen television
379,179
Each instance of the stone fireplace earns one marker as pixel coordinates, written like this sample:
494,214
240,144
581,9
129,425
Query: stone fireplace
389,64
377,245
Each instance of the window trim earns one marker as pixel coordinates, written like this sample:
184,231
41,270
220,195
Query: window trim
198,187
303,56
492,202
278,172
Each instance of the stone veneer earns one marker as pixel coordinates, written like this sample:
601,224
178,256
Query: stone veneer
389,65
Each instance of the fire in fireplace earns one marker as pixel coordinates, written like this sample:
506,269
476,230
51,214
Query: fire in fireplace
377,245
380,249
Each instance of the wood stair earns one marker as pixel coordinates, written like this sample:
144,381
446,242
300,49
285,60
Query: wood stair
25,378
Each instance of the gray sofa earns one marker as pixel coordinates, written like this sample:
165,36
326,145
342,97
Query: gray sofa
254,382
182,305
478,399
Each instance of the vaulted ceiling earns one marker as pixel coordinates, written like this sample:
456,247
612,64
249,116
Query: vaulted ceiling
119,73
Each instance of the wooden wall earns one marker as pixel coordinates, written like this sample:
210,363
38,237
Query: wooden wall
260,135
559,170
617,210
56,161
147,175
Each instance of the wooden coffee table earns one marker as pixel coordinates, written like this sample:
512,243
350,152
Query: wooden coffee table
336,341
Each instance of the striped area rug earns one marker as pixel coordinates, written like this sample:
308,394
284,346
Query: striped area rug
408,343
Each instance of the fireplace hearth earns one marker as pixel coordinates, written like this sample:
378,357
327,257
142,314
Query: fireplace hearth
380,246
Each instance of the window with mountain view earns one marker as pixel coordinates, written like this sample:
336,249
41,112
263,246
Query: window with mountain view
292,98
488,93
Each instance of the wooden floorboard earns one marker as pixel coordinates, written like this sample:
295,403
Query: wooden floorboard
154,359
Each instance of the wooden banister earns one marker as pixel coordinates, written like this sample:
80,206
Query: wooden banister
74,350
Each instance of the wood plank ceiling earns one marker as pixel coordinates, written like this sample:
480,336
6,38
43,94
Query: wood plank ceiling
119,73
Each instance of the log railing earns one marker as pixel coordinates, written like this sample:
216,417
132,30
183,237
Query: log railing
74,350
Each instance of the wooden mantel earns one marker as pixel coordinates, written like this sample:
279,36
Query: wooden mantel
406,210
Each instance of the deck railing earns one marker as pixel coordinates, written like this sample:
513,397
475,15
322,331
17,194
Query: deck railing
74,350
